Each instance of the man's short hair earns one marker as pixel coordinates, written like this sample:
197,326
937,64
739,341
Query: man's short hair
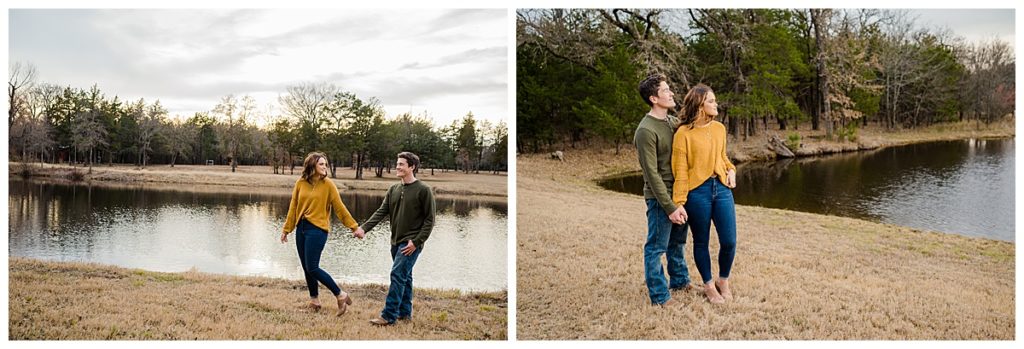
649,87
411,159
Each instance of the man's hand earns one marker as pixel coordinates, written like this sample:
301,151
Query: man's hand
409,249
359,233
679,216
284,237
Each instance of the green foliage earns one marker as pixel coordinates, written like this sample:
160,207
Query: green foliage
848,132
793,141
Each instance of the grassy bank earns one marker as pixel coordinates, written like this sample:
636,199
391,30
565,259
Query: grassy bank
872,137
58,300
796,275
444,183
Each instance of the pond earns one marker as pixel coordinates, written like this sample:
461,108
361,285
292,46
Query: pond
963,187
171,230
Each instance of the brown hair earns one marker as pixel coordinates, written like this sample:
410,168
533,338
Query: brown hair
693,102
411,159
649,87
309,165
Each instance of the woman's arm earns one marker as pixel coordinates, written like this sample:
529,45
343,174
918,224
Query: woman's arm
339,207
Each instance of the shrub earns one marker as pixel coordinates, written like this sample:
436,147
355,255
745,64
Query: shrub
793,141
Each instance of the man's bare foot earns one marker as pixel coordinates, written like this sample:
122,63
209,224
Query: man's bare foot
723,287
344,300
712,293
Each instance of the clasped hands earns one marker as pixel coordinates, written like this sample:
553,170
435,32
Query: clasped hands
678,216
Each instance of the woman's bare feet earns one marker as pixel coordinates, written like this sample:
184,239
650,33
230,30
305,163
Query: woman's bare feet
712,293
723,287
344,300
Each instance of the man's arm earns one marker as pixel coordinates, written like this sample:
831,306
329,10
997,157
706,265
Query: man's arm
428,221
378,215
647,151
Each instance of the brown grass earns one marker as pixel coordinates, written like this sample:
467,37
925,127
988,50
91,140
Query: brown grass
58,300
449,183
796,275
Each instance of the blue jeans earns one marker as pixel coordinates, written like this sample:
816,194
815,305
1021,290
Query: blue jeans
399,301
712,202
663,237
310,241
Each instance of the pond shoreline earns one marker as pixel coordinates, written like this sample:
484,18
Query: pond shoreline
214,179
754,149
107,302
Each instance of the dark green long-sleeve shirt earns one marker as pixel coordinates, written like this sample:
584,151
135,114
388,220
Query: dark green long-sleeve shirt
653,140
410,207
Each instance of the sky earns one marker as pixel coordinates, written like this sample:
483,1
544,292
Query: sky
437,62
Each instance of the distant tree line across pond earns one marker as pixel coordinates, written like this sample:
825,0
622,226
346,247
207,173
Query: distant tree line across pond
578,71
55,124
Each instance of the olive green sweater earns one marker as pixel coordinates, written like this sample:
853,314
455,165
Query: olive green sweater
313,202
410,207
653,140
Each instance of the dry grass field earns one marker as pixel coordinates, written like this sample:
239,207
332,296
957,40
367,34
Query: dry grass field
796,275
444,183
56,300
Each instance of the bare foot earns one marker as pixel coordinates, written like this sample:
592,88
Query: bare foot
712,293
344,300
723,287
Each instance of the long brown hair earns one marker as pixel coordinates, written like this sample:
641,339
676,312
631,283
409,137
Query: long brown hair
309,166
693,102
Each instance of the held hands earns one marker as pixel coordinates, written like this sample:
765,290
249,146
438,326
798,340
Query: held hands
678,216
730,179
408,249
359,233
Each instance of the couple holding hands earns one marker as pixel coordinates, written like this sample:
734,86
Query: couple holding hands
688,181
409,206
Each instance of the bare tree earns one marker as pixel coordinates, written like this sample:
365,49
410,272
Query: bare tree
22,77
236,114
150,124
180,137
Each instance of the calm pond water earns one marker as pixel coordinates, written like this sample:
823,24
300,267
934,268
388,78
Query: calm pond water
964,187
237,233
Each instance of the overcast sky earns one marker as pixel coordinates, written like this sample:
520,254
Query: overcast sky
442,62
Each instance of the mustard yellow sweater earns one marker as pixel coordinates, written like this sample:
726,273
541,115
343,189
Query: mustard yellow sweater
697,153
314,203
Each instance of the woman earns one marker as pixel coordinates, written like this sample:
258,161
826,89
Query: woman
704,178
312,200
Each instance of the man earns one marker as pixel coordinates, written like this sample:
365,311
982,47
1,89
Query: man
653,140
410,207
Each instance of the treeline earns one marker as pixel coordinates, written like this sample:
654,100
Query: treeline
578,71
57,124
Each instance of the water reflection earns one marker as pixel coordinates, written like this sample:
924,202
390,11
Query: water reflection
236,233
964,187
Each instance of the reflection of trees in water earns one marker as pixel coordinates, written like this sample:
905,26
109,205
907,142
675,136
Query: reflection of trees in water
362,206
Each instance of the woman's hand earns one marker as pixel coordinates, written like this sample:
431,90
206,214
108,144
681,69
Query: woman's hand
284,237
730,179
359,233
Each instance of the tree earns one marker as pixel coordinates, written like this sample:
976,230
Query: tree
466,142
181,136
309,104
150,125
22,77
89,131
